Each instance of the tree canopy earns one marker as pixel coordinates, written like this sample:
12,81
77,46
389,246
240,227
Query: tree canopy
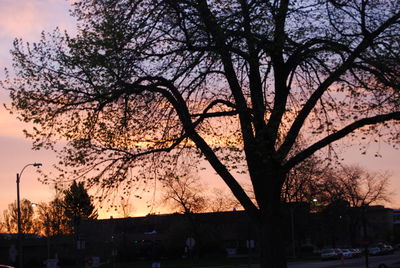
144,79
52,218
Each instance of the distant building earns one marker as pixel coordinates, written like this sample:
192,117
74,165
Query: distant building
380,223
211,234
215,234
396,225
343,227
396,216
167,235
230,233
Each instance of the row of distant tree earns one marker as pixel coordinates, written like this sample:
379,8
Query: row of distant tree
317,182
321,183
60,216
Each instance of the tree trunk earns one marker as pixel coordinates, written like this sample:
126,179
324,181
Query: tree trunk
272,245
272,249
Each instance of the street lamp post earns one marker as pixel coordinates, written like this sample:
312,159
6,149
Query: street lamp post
20,262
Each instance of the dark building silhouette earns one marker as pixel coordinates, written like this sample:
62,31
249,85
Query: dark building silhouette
228,233
215,234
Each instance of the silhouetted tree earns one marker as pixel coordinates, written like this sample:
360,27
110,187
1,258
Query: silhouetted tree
28,224
2,227
305,182
321,181
184,192
78,205
238,80
358,186
52,218
126,206
219,200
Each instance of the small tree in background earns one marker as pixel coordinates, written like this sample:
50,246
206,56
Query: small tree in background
28,224
126,207
2,227
184,193
219,200
357,186
52,218
78,205
304,182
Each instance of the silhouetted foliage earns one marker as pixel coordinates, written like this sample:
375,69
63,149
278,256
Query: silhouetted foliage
77,204
240,81
184,192
52,219
305,182
317,181
28,225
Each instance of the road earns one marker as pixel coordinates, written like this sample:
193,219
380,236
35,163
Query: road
349,263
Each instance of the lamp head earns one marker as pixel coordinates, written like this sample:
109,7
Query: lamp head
37,164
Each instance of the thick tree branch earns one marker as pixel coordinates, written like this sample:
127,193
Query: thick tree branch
338,135
256,92
280,77
334,76
180,106
240,101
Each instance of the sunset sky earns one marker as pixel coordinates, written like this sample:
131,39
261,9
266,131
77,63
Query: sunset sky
26,19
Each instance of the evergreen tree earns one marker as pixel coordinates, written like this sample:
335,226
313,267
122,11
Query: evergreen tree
78,204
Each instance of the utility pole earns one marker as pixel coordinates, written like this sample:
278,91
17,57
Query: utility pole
19,225
20,259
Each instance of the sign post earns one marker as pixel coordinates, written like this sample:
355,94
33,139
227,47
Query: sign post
190,243
250,246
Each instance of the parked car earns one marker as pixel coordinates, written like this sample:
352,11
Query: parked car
5,266
347,253
362,250
374,251
386,249
356,252
329,254
339,252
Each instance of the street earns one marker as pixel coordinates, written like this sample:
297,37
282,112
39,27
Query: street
354,263
374,262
